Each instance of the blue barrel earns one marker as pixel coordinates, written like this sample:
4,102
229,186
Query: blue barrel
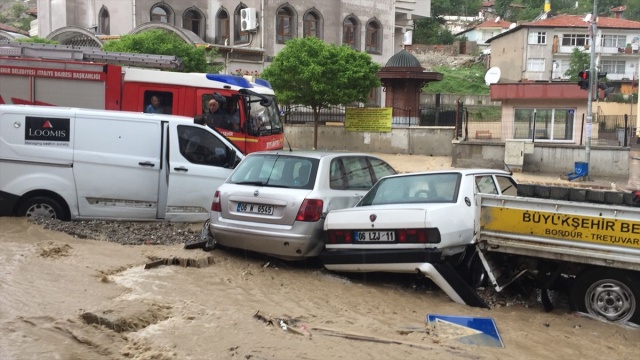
581,168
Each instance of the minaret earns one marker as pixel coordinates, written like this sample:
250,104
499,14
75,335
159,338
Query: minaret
547,6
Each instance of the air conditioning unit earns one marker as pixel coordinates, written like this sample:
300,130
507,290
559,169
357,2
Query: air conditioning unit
248,20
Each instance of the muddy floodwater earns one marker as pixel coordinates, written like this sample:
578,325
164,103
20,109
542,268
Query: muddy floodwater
67,298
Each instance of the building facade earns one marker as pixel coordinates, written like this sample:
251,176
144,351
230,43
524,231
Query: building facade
533,59
541,50
249,33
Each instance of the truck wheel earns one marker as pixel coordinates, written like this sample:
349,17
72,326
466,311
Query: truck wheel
41,207
607,293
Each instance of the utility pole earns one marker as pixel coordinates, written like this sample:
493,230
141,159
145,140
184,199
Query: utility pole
592,71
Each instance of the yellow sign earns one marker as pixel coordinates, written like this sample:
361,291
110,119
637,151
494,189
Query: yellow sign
604,231
368,119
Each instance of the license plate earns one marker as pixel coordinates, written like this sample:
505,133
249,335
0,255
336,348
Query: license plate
375,235
255,208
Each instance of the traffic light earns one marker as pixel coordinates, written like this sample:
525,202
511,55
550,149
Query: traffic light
583,79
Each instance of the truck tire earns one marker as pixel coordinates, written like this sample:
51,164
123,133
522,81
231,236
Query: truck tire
43,208
610,294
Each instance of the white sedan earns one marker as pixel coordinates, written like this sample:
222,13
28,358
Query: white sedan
411,223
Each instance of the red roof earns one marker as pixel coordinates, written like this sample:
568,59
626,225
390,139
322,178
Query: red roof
494,24
577,21
33,12
538,91
487,3
8,28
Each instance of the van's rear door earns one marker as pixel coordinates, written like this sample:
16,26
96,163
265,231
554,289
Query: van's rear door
200,160
117,166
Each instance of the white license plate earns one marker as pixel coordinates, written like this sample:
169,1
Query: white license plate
375,235
255,208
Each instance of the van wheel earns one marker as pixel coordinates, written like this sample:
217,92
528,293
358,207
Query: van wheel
609,294
41,207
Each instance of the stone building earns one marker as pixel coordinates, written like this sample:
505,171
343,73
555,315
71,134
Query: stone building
246,33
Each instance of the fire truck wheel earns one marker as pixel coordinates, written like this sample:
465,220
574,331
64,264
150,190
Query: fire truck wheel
41,207
609,294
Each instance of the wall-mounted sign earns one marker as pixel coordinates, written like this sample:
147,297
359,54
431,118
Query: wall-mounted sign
368,119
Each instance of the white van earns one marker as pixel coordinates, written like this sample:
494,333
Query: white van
71,163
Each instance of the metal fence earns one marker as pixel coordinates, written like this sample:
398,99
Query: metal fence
607,130
613,130
429,115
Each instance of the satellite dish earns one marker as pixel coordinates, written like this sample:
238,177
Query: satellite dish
497,19
512,26
492,76
587,18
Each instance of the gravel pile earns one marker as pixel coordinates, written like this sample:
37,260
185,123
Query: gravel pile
126,232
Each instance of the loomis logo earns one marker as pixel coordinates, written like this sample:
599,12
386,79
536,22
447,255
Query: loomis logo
46,129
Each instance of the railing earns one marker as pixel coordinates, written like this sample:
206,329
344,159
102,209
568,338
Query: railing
613,130
429,115
607,130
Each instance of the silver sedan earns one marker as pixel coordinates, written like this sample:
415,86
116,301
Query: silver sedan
276,202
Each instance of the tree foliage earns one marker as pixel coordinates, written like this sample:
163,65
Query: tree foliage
529,9
310,72
578,61
160,42
431,31
15,16
36,39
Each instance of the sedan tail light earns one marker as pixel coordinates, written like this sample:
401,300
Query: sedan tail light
418,236
340,237
215,205
310,210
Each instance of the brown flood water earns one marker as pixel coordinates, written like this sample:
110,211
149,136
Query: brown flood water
54,288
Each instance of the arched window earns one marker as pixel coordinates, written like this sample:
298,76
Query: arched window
351,32
285,24
222,28
103,21
163,13
240,37
194,20
313,24
374,37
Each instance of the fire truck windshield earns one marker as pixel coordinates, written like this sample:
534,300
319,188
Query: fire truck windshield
264,117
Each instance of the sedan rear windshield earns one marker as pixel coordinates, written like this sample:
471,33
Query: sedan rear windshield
421,188
276,171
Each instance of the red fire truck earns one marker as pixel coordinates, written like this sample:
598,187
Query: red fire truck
42,74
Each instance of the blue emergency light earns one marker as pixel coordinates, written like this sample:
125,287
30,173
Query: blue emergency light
264,83
230,79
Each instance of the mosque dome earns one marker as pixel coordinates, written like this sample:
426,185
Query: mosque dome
403,59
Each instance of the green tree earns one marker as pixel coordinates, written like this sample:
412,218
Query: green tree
36,39
578,61
633,10
431,31
311,72
160,42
